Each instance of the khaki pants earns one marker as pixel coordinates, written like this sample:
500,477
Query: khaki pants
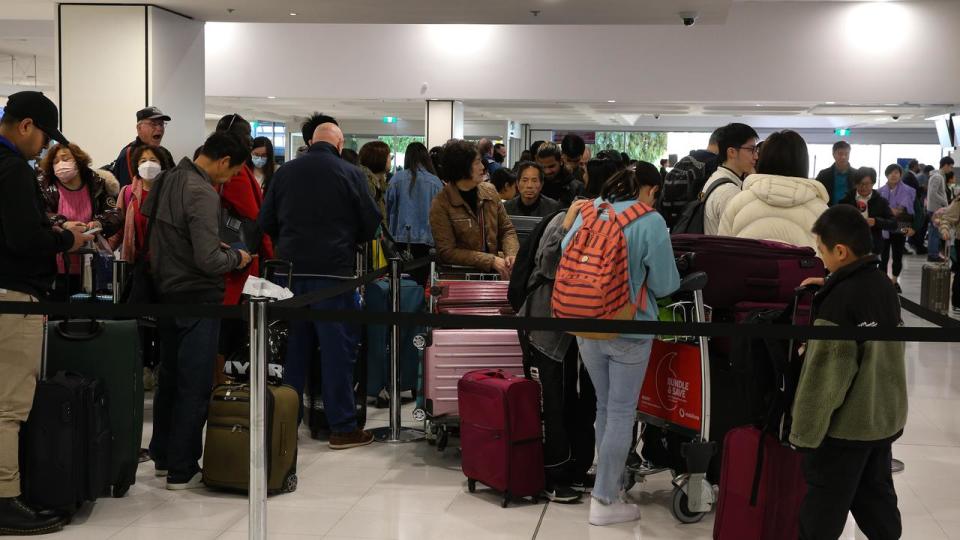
21,347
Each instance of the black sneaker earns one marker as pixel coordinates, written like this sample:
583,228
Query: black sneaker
585,484
16,518
561,494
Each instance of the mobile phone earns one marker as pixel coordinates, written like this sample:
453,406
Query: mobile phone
93,231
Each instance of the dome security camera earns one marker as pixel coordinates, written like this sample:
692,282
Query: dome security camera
689,18
895,117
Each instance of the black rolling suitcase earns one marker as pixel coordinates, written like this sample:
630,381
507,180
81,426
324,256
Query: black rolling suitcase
109,351
66,442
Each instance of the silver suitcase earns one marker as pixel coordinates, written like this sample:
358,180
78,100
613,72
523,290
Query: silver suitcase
935,287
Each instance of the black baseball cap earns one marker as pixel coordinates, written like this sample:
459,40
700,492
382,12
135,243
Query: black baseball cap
39,108
151,113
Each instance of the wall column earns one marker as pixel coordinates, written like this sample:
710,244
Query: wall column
113,60
444,121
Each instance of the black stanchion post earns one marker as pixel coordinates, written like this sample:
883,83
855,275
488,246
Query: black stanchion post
395,433
257,497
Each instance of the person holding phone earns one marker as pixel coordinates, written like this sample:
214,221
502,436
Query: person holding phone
29,244
74,192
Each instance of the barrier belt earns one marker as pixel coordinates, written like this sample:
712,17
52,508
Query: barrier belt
349,285
927,314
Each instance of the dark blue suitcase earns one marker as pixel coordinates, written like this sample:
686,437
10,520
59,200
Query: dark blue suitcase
377,298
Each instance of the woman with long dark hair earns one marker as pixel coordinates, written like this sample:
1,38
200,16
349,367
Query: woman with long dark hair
409,196
263,162
617,366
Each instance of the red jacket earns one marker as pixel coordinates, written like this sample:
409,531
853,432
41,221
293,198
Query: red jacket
243,197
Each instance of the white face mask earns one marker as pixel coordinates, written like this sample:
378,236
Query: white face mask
65,170
148,170
259,161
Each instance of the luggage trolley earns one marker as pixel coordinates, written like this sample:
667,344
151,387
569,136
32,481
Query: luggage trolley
491,301
676,397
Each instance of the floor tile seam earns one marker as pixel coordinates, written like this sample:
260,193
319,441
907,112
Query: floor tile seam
543,515
354,505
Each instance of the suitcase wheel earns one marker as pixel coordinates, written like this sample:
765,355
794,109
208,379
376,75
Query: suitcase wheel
120,490
290,483
443,437
506,500
680,509
471,485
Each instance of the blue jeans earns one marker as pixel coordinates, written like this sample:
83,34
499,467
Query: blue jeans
617,368
188,354
337,343
933,244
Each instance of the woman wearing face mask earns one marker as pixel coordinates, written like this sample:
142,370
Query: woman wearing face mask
263,163
73,191
148,163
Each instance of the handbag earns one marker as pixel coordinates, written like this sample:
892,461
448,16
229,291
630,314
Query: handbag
140,288
236,230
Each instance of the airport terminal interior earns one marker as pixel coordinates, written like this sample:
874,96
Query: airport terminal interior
648,80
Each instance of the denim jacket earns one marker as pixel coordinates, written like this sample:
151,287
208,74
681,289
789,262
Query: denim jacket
409,211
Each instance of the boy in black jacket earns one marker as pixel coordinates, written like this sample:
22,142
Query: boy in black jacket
851,401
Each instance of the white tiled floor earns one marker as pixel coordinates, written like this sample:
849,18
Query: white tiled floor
414,492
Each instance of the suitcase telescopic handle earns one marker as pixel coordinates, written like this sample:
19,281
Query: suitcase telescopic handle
79,330
693,282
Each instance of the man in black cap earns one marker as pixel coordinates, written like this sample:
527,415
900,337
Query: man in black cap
29,245
151,123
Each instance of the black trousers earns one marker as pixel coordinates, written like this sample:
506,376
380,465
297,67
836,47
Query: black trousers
842,479
895,243
569,410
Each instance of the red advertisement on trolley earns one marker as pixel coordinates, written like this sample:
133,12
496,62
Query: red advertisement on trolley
672,386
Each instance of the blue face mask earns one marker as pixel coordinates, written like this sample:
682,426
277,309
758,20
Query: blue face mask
259,161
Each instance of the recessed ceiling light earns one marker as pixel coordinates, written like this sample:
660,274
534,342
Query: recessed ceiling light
611,101
293,13
877,111
830,102
271,97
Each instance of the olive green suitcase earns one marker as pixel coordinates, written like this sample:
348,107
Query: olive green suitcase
107,350
226,452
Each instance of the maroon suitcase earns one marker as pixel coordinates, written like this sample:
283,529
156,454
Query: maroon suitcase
450,354
764,508
741,269
501,434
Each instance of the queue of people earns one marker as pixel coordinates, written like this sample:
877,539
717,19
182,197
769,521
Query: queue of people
316,209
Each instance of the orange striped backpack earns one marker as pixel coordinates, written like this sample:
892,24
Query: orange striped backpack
593,279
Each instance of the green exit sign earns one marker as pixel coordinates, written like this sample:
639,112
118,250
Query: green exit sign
389,119
842,132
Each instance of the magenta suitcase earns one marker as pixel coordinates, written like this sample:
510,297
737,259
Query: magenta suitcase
741,269
480,293
450,354
500,433
772,512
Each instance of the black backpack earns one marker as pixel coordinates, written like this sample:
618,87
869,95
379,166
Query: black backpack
523,265
681,186
691,221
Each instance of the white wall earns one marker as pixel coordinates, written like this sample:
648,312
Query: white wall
103,76
176,79
767,51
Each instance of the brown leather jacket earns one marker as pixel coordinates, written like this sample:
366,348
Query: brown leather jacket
456,228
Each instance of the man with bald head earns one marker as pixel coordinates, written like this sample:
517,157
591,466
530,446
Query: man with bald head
317,210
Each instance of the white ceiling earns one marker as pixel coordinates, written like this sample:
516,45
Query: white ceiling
624,115
630,12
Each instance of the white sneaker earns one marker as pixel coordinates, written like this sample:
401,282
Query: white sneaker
609,514
193,483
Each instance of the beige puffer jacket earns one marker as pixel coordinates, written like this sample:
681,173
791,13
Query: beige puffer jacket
779,208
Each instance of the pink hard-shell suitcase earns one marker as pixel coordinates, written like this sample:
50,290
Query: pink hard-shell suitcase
501,437
479,293
450,354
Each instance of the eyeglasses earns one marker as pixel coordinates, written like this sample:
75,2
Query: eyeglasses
755,150
155,123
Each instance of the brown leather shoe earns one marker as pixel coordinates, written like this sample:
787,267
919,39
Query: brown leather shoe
342,441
